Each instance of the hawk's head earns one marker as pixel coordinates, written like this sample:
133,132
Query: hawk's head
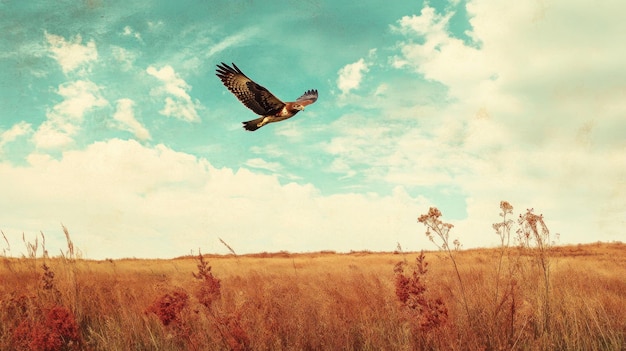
295,108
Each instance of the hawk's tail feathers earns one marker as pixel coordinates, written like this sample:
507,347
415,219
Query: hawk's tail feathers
253,124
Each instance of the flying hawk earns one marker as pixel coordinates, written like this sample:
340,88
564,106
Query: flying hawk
260,100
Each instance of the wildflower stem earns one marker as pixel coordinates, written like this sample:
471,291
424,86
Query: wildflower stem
503,230
432,222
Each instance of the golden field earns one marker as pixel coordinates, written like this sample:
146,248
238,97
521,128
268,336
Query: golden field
319,301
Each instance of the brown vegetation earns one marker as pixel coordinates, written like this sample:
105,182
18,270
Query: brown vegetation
508,298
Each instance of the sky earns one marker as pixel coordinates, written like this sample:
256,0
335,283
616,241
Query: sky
114,125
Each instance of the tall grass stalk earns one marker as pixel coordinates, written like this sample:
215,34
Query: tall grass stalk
228,247
6,252
442,230
503,230
534,230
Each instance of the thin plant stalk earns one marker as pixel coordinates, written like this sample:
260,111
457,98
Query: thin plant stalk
441,229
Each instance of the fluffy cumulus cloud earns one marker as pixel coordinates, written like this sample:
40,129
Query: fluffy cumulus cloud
532,111
71,54
351,75
438,56
527,66
119,198
178,103
64,120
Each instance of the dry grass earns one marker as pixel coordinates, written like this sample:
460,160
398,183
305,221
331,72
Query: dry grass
321,301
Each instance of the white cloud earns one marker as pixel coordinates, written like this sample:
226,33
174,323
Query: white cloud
123,56
129,31
289,130
173,84
259,163
271,150
64,120
428,24
17,130
180,109
274,168
532,69
229,41
178,103
438,56
71,54
8,136
362,144
119,199
126,117
351,75
522,98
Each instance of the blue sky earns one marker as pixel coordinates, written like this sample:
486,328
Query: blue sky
113,123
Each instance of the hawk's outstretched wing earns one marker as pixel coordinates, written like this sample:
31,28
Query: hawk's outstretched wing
251,94
309,97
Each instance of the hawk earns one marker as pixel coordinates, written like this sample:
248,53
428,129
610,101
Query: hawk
260,100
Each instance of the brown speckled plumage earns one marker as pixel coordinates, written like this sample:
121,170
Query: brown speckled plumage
260,100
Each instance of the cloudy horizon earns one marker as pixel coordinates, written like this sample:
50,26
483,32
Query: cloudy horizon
113,124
